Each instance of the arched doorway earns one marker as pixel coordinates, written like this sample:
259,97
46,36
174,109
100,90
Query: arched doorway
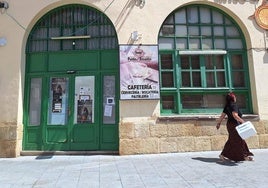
71,82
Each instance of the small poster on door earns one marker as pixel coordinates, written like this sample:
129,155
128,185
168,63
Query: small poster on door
84,111
108,110
58,91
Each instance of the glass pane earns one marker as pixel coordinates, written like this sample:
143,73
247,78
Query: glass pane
169,20
167,79
67,16
167,30
218,31
193,31
107,43
221,79
205,15
181,30
67,44
92,30
93,44
195,62
219,44
203,101
232,31
238,79
54,32
205,31
168,102
192,15
38,46
194,44
217,17
79,16
35,101
181,43
40,33
80,31
106,30
234,44
166,61
191,101
209,62
227,22
196,79
237,62
186,79
53,45
109,100
84,99
219,62
180,17
166,43
67,31
185,63
207,44
213,101
79,44
210,79
58,101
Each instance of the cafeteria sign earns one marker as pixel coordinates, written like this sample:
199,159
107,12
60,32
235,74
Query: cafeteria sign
139,72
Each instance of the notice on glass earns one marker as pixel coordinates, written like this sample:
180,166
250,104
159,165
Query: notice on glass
108,111
139,72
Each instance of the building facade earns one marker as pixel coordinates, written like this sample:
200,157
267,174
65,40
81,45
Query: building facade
129,76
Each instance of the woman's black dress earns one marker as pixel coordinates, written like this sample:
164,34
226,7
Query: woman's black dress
235,148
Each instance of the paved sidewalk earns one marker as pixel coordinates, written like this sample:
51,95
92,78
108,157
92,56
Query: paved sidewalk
173,170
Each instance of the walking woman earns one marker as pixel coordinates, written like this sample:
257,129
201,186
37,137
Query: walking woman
235,148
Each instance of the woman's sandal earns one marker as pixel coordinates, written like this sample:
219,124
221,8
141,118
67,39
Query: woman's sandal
249,158
222,158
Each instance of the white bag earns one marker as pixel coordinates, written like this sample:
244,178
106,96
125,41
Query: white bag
246,130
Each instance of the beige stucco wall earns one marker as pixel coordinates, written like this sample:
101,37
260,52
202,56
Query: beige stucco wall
18,20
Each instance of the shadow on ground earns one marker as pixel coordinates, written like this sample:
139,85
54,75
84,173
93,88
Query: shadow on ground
41,157
216,160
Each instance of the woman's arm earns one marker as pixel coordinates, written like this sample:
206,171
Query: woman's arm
237,118
220,120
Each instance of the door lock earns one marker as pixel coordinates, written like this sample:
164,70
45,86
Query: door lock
71,71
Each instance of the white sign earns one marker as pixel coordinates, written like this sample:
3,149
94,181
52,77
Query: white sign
108,111
139,72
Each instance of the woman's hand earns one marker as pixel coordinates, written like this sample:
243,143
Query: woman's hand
220,120
218,125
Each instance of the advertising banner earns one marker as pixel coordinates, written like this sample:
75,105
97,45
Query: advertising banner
139,72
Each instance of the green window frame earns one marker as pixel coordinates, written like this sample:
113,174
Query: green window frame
202,56
72,27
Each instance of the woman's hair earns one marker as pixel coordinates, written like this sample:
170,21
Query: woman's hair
230,98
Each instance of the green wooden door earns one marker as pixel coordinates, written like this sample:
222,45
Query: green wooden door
71,79
72,112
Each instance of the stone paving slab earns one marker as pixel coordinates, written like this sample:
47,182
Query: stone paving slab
172,170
